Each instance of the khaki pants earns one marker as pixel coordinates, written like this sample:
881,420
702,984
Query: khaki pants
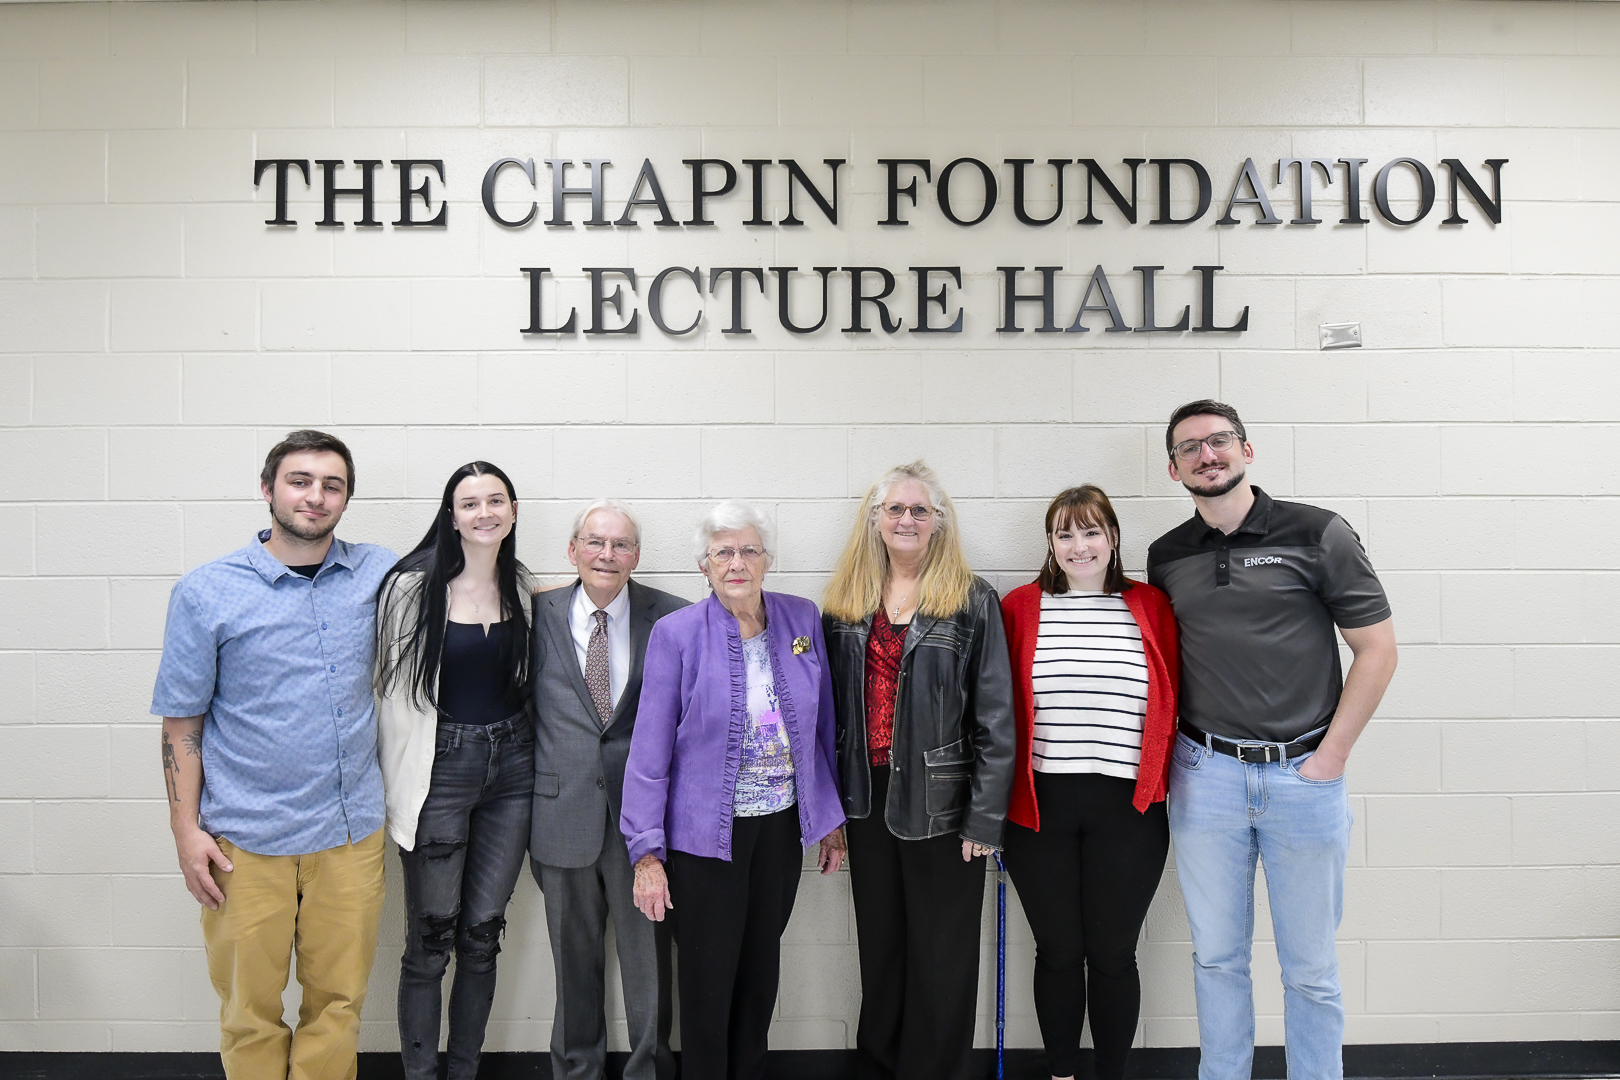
327,905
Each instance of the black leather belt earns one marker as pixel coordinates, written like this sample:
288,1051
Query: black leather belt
1253,754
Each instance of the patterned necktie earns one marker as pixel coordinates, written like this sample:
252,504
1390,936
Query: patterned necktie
596,669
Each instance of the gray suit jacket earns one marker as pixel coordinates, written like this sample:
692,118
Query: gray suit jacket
579,765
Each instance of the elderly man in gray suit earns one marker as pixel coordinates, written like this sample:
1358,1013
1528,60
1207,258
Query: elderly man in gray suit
589,642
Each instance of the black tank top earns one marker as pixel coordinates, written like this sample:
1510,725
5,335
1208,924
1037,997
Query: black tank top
472,684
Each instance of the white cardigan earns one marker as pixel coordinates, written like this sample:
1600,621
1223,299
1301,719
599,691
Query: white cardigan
405,733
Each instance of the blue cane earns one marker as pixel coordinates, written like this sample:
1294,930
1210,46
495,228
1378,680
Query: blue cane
1001,963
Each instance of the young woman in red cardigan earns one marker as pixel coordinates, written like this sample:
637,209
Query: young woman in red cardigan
1095,674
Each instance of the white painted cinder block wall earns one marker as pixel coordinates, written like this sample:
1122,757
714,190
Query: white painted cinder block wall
156,338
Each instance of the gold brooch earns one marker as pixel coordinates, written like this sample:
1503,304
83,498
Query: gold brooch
801,645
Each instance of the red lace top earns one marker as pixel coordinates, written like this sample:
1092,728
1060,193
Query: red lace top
883,649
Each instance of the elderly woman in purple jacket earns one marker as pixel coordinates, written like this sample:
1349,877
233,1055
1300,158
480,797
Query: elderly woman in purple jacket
731,776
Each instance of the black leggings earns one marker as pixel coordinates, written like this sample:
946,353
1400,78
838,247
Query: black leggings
1086,880
728,921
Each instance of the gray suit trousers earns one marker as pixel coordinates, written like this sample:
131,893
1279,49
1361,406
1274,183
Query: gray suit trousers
578,903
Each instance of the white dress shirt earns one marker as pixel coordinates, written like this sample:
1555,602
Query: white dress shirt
582,621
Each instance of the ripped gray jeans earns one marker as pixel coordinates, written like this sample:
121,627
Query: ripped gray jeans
470,840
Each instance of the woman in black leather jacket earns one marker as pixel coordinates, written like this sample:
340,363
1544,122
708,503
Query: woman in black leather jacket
922,688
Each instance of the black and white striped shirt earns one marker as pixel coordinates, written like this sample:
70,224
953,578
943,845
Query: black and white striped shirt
1091,684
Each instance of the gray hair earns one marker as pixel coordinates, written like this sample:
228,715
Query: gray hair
730,516
613,505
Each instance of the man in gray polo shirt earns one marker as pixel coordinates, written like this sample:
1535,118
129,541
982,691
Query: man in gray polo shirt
1267,723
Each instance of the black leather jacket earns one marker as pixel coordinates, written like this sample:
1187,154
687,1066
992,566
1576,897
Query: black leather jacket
951,759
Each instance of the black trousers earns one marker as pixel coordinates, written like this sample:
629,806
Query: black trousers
728,921
1085,881
917,910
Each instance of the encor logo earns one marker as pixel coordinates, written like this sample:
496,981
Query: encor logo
1264,560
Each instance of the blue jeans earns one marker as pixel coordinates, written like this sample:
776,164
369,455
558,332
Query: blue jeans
1224,815
470,841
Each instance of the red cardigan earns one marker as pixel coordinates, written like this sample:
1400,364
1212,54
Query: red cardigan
1021,611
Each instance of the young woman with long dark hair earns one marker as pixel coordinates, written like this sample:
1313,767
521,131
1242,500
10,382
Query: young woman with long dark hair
1095,677
456,743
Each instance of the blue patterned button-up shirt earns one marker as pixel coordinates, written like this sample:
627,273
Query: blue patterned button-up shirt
280,666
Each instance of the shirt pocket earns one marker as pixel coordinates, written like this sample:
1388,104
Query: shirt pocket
948,772
359,633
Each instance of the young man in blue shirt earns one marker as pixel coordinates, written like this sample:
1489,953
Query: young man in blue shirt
269,755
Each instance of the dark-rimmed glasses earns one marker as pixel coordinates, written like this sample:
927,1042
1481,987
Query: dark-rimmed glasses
1220,441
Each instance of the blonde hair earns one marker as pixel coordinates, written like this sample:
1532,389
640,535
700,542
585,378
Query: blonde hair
856,588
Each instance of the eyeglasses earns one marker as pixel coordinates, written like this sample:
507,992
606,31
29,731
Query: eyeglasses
1221,441
725,555
919,512
595,545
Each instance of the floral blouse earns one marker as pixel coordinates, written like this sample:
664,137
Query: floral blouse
765,777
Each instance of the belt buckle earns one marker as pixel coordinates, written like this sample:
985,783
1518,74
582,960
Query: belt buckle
1263,752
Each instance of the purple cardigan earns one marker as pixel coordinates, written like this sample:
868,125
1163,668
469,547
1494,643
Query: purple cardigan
684,755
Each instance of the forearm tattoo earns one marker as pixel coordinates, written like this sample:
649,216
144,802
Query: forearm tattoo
193,741
171,768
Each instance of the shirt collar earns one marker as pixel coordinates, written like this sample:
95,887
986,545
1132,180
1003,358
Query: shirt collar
273,569
1257,521
617,608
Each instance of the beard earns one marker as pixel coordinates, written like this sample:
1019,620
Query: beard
308,531
1234,477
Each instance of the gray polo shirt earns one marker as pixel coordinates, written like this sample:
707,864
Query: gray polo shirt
1256,611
